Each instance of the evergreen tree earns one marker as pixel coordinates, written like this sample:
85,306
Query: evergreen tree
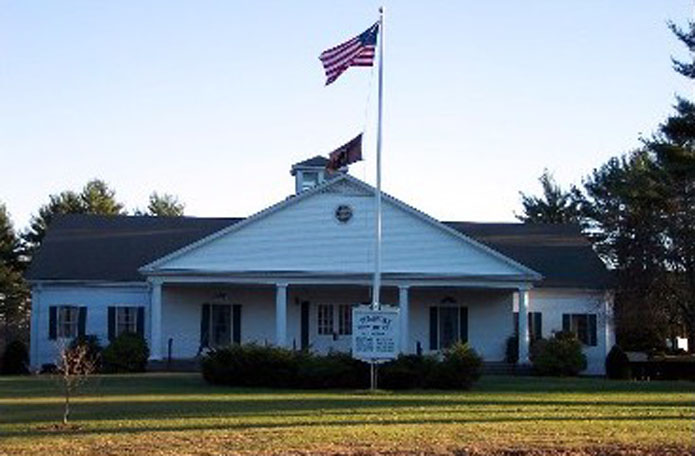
165,205
554,206
14,293
95,198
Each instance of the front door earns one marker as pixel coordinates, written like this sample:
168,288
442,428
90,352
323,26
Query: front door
221,324
448,326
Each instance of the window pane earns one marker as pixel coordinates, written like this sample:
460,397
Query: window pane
67,321
345,319
126,320
325,319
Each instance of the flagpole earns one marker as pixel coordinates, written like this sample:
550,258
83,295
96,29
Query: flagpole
377,222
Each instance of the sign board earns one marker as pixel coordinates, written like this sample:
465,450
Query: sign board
375,333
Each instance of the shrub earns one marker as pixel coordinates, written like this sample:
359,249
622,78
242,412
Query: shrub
617,364
126,353
459,368
407,372
253,365
511,354
335,370
560,355
15,360
94,348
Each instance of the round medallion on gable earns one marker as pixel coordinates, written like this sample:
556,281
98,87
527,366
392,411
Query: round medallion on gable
343,213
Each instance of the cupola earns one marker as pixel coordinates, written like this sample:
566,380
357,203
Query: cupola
310,173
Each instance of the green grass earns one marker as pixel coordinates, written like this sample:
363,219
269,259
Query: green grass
180,414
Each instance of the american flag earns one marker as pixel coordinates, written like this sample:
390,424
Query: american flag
358,51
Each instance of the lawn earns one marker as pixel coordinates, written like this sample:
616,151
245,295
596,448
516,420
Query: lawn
178,414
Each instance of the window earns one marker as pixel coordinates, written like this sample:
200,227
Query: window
332,316
126,320
535,322
325,319
68,317
345,319
309,180
221,324
581,325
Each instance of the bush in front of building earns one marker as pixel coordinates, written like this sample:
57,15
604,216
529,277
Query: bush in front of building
459,369
94,349
561,355
126,353
258,366
408,372
15,359
274,367
617,364
335,370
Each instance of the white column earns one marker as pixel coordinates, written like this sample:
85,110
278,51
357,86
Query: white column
404,317
281,314
34,334
156,320
523,326
608,324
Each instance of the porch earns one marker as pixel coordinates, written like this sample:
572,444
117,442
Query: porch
186,317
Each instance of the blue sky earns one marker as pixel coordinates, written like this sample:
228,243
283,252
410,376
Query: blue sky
214,100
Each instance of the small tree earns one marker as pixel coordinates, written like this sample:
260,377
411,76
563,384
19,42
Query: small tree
74,365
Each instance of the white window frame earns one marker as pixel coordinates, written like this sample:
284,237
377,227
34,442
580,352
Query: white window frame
324,319
574,327
67,317
344,319
126,320
334,319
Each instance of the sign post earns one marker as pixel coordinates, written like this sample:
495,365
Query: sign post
375,336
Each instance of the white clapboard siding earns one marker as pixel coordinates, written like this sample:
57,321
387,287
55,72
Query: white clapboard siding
305,236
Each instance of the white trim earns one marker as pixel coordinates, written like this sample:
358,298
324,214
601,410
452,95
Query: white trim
343,279
152,266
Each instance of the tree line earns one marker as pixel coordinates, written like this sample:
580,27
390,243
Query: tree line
638,210
17,248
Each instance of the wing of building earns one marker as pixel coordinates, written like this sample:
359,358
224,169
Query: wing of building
290,274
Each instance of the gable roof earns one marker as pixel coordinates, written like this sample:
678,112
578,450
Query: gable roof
336,183
112,248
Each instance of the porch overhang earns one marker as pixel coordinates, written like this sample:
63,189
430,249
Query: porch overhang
507,281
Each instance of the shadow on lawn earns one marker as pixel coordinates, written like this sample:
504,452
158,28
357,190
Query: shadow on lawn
317,422
236,407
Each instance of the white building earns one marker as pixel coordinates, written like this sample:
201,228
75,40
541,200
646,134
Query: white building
289,275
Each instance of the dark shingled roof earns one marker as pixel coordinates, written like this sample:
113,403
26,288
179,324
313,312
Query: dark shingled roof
94,247
317,161
89,247
558,251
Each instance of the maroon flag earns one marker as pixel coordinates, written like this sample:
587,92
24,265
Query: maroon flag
346,154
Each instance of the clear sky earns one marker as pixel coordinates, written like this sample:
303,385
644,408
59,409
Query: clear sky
214,100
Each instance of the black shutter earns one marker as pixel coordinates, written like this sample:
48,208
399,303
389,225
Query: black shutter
141,322
236,323
52,322
111,322
538,328
566,322
81,321
463,324
304,325
516,324
592,330
434,326
205,326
